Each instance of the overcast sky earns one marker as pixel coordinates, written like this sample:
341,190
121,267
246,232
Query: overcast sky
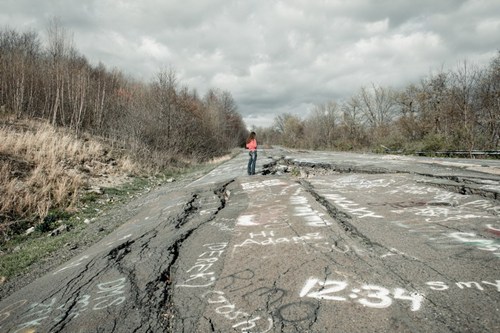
273,56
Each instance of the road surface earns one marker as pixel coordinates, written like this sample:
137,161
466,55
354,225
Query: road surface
315,242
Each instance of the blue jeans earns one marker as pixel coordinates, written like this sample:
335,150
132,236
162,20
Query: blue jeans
251,162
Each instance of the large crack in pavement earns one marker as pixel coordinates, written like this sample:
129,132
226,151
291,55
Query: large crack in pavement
343,218
190,208
466,184
165,278
160,248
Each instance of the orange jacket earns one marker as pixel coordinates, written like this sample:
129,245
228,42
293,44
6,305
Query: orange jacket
252,145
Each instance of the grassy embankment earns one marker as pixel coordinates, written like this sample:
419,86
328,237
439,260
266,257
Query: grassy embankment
49,179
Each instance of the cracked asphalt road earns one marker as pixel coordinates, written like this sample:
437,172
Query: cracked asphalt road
316,242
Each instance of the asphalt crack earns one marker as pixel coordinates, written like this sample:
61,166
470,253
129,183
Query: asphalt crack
166,307
464,185
146,296
119,252
190,208
343,218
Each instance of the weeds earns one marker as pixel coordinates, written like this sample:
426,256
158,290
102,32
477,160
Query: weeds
51,221
22,250
44,169
295,172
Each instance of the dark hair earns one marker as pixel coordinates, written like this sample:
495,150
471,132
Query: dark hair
251,137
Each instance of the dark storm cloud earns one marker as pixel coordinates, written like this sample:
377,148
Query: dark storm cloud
274,56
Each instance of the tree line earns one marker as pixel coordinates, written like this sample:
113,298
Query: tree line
160,122
450,110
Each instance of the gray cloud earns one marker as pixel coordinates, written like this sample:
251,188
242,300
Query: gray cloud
274,56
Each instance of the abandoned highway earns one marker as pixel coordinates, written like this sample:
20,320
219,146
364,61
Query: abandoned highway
315,242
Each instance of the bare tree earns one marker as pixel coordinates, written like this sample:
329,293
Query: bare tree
222,115
489,108
18,56
291,129
99,94
464,83
165,94
352,125
377,105
409,105
78,87
320,126
435,98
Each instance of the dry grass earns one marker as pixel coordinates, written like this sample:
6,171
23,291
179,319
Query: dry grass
43,169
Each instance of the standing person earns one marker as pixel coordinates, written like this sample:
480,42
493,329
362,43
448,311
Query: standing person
252,146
